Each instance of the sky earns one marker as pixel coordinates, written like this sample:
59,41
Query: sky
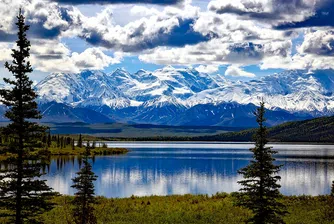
241,39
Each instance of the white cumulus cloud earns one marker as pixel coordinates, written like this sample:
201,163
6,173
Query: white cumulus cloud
238,72
207,68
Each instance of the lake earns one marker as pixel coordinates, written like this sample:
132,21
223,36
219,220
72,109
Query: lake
165,168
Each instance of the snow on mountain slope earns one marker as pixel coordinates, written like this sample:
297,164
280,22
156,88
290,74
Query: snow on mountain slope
145,85
292,91
85,89
230,114
160,96
120,88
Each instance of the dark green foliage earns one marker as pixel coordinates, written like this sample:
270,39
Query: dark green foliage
68,140
44,139
84,211
22,195
260,190
49,139
314,130
73,146
61,142
332,189
58,141
79,144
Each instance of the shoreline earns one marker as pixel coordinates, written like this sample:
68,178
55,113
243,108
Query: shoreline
217,142
67,151
95,151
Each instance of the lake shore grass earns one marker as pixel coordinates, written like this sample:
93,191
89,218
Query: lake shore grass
201,209
68,151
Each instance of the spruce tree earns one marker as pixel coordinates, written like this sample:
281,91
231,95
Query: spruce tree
23,195
44,139
58,142
79,144
68,141
260,190
84,197
61,142
49,139
65,142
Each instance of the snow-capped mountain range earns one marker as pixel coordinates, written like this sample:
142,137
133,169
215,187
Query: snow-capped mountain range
183,97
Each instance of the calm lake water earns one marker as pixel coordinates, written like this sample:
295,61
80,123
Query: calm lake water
196,168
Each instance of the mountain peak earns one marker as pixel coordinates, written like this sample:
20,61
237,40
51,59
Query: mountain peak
168,68
171,88
120,70
141,72
89,73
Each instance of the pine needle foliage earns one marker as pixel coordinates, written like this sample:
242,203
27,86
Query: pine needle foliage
83,212
79,144
260,188
23,194
332,189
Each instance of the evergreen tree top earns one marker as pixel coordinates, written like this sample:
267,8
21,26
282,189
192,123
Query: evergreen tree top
21,97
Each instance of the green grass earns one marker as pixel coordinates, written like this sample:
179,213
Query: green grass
191,209
68,151
80,151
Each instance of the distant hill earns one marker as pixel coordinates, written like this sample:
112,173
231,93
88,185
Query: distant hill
313,130
60,113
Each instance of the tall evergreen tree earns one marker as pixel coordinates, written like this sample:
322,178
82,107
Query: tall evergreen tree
22,194
260,190
61,142
68,141
58,141
84,211
49,139
44,139
79,144
64,142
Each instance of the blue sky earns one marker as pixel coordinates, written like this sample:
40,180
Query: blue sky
242,39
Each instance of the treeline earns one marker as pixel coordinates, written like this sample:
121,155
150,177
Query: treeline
53,141
318,130
65,141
